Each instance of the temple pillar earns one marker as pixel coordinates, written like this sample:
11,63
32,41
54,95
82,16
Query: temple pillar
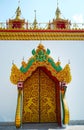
18,117
65,109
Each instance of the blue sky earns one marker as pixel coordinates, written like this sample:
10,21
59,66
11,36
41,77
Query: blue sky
16,50
70,9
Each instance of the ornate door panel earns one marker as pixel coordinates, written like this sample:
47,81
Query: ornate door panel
31,99
47,98
39,98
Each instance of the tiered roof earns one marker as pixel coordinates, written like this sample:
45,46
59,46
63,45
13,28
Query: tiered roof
56,29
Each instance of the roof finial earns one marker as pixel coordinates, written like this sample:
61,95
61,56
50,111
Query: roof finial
23,58
12,62
35,21
35,13
58,13
18,11
69,61
58,59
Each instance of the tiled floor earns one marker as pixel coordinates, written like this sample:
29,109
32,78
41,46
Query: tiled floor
48,126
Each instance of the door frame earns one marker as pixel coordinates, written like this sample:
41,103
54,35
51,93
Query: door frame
58,100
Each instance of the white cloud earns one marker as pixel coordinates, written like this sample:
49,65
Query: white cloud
78,18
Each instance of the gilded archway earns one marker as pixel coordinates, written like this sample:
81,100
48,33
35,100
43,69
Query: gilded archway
42,84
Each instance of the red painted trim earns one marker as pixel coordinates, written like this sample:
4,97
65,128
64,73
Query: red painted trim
58,104
49,73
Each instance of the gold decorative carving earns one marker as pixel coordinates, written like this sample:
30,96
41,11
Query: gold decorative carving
39,98
17,75
31,99
42,35
47,99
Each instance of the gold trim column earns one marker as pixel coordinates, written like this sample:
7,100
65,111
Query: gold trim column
18,117
65,109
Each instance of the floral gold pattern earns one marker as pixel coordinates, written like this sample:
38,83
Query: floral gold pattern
39,98
47,99
31,99
42,35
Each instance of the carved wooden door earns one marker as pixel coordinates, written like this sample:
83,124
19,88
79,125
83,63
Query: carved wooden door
39,98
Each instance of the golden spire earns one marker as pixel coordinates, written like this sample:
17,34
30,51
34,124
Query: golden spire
18,11
58,13
35,21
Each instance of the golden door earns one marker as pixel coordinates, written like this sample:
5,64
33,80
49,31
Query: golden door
39,98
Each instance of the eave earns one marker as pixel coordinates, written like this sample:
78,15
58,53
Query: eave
19,34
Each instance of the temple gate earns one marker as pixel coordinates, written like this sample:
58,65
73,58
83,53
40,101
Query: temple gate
39,98
41,87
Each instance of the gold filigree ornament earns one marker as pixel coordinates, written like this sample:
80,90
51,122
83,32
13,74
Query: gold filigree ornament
65,74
